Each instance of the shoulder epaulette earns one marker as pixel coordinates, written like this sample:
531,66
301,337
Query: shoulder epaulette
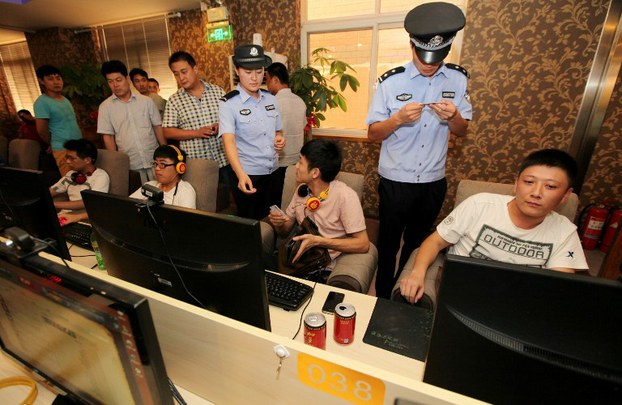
458,68
390,73
230,95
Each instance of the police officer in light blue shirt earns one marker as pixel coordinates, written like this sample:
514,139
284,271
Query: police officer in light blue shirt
250,127
414,109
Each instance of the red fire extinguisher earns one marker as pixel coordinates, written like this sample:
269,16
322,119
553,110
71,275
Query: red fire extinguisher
611,228
592,221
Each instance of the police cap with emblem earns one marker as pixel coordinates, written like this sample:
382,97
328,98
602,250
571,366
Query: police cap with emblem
432,28
251,57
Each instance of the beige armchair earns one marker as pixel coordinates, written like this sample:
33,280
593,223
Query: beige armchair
24,154
358,270
202,175
117,165
467,188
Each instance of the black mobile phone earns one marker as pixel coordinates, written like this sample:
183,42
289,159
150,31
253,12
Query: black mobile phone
331,302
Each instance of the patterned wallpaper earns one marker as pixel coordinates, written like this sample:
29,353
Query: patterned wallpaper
529,62
61,46
528,59
604,176
279,27
187,33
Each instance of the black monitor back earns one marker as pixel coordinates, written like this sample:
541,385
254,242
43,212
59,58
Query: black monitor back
93,340
509,334
218,260
25,201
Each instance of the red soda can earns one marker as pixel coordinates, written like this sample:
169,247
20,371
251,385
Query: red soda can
345,319
315,330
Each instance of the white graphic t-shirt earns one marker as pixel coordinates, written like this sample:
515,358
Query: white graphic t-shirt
481,227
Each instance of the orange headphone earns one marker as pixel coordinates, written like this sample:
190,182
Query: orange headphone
312,203
180,167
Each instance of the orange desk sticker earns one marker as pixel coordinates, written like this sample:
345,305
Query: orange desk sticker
339,381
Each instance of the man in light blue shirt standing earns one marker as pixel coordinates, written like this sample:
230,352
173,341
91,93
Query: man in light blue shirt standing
55,117
414,109
250,127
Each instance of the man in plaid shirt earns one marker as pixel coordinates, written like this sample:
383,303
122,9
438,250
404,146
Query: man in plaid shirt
191,115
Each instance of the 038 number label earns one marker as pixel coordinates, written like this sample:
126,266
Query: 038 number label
342,382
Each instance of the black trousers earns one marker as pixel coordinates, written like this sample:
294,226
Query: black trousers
408,210
257,205
280,179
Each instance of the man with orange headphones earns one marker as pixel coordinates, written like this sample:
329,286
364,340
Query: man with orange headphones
330,203
169,165
80,155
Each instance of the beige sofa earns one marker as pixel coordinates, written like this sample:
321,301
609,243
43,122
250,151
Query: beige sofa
467,188
358,270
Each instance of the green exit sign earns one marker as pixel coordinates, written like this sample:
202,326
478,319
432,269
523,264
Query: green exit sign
222,33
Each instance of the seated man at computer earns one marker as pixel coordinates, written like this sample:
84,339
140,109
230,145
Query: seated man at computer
521,229
339,216
80,155
169,166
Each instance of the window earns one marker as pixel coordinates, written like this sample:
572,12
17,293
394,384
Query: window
21,75
367,34
142,43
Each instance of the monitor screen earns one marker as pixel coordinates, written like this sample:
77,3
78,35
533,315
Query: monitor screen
93,340
209,260
25,201
505,333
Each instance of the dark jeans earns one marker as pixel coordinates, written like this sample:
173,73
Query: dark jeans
408,210
257,205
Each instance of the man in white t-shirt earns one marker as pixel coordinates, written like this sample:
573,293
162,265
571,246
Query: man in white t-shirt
330,203
80,155
521,229
169,165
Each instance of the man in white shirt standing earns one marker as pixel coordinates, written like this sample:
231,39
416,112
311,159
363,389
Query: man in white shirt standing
128,121
293,117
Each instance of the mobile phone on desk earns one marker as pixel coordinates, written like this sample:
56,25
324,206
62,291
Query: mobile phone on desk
331,302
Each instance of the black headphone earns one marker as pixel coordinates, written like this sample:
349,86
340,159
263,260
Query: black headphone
78,178
312,203
180,167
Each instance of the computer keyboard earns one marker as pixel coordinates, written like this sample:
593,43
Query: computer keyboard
286,293
79,234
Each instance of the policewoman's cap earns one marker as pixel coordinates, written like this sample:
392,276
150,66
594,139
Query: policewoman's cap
251,57
432,28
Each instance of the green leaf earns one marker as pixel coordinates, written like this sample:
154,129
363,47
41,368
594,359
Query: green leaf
343,82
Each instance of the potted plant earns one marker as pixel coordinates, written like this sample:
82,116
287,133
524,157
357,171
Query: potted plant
85,86
312,84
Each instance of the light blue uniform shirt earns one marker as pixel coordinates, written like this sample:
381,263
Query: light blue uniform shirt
254,123
416,152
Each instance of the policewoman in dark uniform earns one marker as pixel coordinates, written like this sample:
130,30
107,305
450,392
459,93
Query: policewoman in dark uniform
250,127
414,109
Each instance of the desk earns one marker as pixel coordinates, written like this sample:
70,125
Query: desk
211,357
285,323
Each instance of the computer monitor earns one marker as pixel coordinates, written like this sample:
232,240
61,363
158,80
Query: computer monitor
505,333
25,201
91,339
217,258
